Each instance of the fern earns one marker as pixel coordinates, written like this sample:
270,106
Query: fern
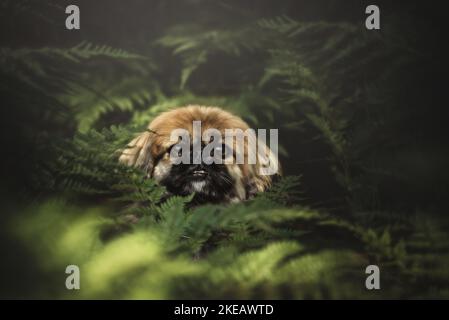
69,111
308,65
232,267
195,46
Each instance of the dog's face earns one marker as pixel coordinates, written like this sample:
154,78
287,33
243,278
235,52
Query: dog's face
211,181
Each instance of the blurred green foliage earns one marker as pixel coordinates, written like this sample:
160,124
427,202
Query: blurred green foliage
326,83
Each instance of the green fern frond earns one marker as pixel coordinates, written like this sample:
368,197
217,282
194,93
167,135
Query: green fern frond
195,45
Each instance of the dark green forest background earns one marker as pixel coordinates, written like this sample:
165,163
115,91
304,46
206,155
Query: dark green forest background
362,118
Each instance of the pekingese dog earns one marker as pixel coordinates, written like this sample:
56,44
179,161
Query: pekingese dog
215,168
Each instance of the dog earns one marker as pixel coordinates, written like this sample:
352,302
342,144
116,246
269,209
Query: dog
217,182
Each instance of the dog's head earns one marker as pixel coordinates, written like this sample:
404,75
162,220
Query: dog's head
212,170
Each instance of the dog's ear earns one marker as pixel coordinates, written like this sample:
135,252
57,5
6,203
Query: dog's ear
266,170
138,154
